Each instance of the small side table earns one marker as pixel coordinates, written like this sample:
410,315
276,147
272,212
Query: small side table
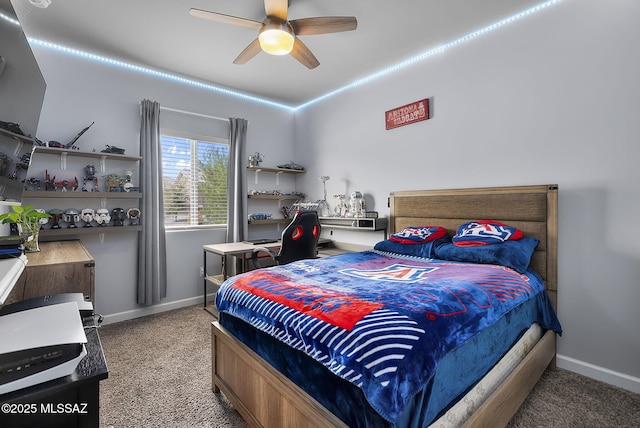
225,250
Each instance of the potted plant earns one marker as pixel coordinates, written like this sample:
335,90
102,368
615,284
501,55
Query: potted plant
28,220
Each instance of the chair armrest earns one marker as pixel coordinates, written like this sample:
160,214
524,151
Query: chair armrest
256,251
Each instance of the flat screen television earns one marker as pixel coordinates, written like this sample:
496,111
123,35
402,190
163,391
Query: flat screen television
22,89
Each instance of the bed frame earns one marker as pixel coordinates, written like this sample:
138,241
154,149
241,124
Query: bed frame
266,398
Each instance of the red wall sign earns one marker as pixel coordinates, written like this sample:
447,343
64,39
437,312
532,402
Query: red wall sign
405,115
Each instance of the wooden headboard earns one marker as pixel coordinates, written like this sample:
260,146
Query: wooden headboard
532,209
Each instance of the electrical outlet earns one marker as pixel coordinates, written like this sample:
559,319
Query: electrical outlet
201,271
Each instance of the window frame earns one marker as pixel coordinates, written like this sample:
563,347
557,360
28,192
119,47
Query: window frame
192,137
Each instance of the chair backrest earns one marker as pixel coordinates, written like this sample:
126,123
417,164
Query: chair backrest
300,238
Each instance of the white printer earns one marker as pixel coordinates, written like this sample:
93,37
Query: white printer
40,344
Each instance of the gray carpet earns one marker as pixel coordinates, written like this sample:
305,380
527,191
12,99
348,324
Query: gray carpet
160,376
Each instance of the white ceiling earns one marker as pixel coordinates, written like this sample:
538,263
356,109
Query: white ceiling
161,34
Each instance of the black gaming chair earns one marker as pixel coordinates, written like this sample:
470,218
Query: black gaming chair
299,240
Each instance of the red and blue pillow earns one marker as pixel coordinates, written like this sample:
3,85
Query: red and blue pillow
485,232
418,234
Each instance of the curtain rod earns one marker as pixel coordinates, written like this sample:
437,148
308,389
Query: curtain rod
175,110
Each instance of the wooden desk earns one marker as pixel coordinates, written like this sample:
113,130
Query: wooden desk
226,250
59,267
76,395
242,249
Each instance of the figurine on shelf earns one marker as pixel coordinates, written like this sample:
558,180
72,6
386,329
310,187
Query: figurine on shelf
133,214
113,149
323,205
71,217
128,185
42,220
22,164
32,183
65,184
87,216
356,205
292,165
113,183
118,216
341,208
90,175
56,215
48,184
255,159
102,216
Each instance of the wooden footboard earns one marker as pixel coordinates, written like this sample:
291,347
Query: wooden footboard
266,398
263,396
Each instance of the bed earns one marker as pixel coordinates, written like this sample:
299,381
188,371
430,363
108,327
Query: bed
273,386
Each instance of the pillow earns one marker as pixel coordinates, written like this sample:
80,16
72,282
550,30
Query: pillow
513,254
418,234
424,250
485,232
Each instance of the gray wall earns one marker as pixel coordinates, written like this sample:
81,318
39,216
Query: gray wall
81,91
550,99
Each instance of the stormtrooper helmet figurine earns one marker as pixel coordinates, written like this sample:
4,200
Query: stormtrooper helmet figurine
87,215
102,216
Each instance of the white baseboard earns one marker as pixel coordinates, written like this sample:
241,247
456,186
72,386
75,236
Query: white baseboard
155,309
611,377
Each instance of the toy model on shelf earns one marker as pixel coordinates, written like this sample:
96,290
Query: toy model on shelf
90,175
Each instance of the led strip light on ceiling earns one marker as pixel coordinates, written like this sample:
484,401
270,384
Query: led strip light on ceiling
252,98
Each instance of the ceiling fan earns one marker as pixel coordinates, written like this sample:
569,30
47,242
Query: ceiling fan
279,36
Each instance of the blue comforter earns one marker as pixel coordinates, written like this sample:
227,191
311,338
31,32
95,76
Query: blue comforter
380,322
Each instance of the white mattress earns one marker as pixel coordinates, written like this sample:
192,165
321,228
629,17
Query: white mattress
459,413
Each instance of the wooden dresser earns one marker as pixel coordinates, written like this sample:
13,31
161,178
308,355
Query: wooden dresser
59,267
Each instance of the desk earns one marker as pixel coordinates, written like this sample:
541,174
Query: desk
242,249
80,388
59,267
225,250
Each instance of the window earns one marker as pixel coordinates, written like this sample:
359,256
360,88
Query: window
194,180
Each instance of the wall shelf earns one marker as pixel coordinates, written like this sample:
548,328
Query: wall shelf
64,153
256,198
276,197
276,170
271,221
22,138
88,230
363,223
80,153
83,195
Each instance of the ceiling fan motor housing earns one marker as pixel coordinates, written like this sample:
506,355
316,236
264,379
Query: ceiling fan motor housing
276,37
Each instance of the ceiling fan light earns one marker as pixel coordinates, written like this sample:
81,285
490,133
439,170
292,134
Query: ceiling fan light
276,41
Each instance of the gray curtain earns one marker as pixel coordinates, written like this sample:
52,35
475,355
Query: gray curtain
237,215
152,254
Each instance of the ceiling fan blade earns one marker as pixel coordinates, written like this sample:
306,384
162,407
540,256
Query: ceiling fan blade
225,19
323,25
249,52
277,9
302,53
